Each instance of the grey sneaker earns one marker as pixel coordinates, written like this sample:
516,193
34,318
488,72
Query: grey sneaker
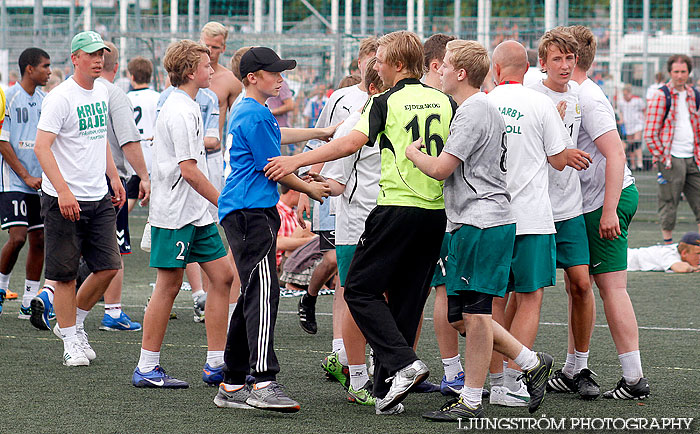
234,399
397,409
199,304
272,397
402,382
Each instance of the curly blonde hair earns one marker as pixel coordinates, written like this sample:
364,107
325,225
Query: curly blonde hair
182,59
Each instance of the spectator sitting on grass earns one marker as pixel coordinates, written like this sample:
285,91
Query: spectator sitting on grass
683,257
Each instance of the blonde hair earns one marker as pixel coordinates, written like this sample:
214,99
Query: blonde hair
235,64
586,45
181,59
558,37
368,47
213,29
470,56
371,77
405,48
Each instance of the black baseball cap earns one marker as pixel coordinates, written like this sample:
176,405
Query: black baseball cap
692,238
263,58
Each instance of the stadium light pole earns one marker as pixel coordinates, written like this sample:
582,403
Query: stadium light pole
420,18
378,17
646,6
456,25
87,15
363,17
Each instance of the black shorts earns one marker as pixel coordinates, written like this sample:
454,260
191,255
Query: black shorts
132,187
634,145
327,240
123,237
20,209
470,302
92,236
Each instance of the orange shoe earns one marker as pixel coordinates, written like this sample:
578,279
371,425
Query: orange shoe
11,295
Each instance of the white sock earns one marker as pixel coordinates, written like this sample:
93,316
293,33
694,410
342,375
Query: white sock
49,290
510,379
4,281
148,360
569,365
496,379
68,333
113,310
262,384
631,367
581,361
527,359
358,376
31,289
232,387
215,359
80,316
471,396
343,357
337,345
452,366
231,308
197,293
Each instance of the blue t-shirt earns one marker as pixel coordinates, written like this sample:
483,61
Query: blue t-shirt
254,136
22,113
208,104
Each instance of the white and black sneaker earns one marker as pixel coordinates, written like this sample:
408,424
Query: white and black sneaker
559,382
626,391
402,382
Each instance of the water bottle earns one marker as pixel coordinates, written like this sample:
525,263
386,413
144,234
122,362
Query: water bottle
660,179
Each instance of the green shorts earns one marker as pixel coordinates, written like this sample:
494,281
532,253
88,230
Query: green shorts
175,248
611,255
479,259
344,254
572,243
534,263
440,273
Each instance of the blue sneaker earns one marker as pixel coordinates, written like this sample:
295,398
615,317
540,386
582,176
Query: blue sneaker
213,376
157,378
24,312
2,299
41,309
453,387
122,323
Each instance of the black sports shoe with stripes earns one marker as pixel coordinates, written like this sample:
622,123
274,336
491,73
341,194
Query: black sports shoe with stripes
626,391
559,382
585,384
536,380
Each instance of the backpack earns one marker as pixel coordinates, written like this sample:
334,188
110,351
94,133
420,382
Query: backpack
667,94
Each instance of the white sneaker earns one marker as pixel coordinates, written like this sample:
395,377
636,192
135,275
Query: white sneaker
501,395
83,339
73,354
397,409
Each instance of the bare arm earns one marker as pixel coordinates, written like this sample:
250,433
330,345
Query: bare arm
70,209
290,244
200,183
315,190
119,197
211,144
287,106
134,155
279,167
295,135
610,146
439,167
558,161
8,153
683,267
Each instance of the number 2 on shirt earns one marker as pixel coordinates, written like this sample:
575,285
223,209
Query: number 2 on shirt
412,127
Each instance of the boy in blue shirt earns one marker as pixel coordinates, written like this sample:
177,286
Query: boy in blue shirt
248,215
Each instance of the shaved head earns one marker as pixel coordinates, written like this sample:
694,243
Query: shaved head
511,58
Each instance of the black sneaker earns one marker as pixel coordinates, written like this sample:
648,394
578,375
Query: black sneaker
307,315
536,380
455,409
625,391
559,382
585,384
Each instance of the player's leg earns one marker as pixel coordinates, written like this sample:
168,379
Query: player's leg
321,274
33,268
691,190
15,210
669,196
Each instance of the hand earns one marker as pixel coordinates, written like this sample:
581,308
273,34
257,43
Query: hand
414,148
609,227
302,207
313,176
69,206
119,197
327,133
319,190
561,108
32,181
578,159
144,191
279,167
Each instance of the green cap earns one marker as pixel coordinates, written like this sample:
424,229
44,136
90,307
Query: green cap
88,41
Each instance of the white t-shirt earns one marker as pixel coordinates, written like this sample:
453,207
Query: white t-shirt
597,118
534,132
651,90
360,174
654,258
682,144
78,117
179,137
533,75
564,186
145,102
632,114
